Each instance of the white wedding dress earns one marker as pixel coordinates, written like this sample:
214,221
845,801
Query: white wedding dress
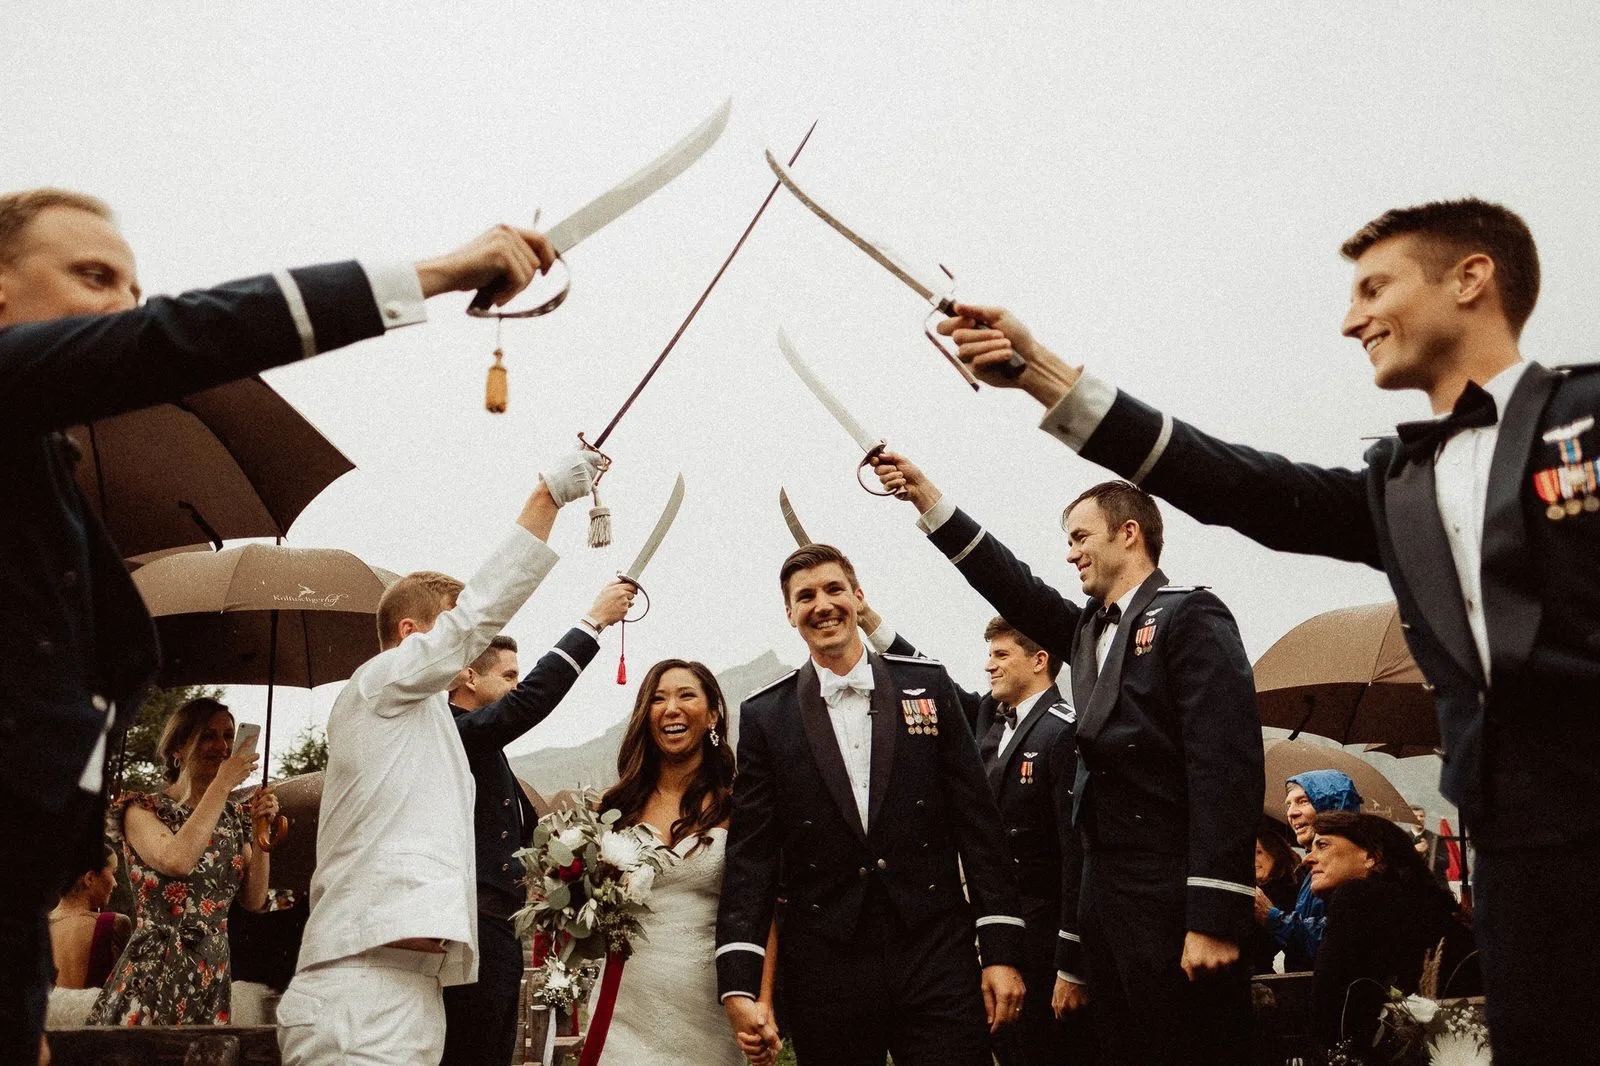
667,1012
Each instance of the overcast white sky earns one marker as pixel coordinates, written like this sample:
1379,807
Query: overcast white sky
1158,189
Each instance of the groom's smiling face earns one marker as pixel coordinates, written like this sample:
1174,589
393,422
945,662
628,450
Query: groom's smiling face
823,605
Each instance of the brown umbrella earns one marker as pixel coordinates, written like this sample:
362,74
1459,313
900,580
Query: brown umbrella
263,614
1285,758
1347,675
230,462
293,860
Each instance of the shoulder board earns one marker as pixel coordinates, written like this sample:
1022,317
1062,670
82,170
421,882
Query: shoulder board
1182,588
920,660
1569,369
1063,711
772,684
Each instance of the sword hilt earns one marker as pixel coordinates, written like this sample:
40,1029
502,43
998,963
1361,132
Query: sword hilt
867,462
482,305
1012,368
640,589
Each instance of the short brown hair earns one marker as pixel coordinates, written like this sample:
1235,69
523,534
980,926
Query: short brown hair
1447,231
497,644
420,596
813,555
999,627
181,727
1123,501
19,209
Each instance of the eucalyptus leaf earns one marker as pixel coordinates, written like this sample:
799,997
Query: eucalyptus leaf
558,898
560,854
610,817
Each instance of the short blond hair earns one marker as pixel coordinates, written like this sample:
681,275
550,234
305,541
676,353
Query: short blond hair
421,597
19,209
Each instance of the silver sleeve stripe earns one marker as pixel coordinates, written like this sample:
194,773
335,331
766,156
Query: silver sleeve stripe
1070,978
1074,937
297,311
964,552
740,945
999,919
570,660
1155,451
1221,885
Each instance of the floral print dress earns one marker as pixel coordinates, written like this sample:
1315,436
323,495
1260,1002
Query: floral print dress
174,970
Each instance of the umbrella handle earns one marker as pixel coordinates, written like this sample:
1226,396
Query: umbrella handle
270,832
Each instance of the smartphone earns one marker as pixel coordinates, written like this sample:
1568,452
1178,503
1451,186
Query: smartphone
248,733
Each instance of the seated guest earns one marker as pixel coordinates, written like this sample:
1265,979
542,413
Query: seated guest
1279,877
85,938
1299,931
1384,913
189,852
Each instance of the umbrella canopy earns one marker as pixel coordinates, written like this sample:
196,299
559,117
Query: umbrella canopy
238,458
1285,758
1348,675
217,614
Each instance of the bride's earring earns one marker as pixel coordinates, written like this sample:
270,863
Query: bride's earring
714,737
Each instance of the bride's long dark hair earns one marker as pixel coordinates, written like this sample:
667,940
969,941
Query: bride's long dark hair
708,801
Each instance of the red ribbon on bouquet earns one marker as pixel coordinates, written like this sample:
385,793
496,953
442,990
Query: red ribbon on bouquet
604,1004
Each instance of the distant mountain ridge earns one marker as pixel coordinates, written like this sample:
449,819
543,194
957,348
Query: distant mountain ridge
593,764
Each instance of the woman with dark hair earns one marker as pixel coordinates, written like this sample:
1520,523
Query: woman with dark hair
1278,876
1385,913
85,938
189,852
675,770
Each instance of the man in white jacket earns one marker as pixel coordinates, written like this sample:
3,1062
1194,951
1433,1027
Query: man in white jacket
393,899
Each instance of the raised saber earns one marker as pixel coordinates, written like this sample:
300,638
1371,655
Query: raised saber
669,514
872,446
792,520
606,208
886,258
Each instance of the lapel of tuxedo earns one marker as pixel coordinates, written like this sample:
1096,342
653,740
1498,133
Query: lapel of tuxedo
885,728
825,746
1511,607
1048,698
1423,555
1109,683
1083,668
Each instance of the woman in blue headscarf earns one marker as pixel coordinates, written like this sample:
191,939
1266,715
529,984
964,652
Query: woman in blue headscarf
1299,932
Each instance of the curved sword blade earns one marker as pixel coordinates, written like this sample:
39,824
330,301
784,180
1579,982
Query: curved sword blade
792,520
595,215
866,440
658,534
882,256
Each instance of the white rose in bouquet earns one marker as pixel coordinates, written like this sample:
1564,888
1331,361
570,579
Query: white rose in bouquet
637,884
621,850
572,837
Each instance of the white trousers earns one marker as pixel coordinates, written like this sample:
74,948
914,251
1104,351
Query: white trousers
383,1007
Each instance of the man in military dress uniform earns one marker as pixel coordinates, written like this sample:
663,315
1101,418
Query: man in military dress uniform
1487,521
861,790
1028,737
1168,789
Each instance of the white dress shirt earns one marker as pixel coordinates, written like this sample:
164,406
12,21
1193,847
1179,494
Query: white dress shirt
1109,633
1025,708
395,852
1461,486
850,712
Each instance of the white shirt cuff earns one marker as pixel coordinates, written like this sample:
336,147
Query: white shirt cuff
397,291
727,995
1079,413
882,637
937,515
1070,978
592,626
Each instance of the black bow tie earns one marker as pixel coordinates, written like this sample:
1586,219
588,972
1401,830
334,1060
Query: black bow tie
1006,713
1109,615
1421,441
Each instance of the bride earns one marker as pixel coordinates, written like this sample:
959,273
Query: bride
675,770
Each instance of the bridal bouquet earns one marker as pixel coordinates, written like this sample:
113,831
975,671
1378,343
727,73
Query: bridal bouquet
589,884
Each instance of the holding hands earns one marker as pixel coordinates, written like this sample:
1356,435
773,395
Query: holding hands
755,1027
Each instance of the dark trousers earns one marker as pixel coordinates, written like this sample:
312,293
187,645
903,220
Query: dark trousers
481,1019
1036,1038
915,994
1537,919
41,850
1144,1009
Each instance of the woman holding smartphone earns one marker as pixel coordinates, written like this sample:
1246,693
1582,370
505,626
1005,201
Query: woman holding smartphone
189,852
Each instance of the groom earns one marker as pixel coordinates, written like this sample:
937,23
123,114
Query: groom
861,791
